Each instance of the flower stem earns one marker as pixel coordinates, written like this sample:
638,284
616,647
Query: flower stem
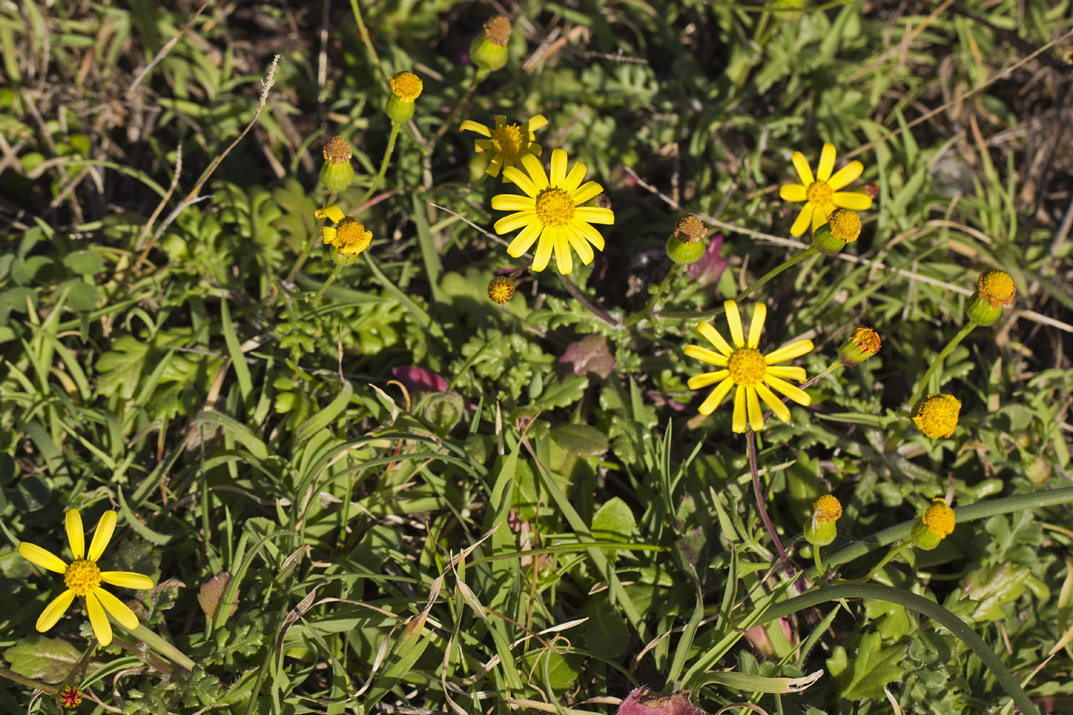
819,561
328,281
759,493
574,291
922,386
383,163
459,108
653,302
894,551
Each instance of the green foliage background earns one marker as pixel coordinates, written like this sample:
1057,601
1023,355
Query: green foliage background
538,532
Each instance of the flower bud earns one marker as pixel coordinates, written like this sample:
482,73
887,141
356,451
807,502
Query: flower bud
861,345
405,88
501,289
995,290
489,49
686,245
70,697
843,226
337,173
934,525
821,529
937,415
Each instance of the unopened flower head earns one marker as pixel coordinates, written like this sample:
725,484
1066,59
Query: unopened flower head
348,236
995,290
749,372
822,194
489,49
337,173
83,578
843,226
935,524
821,529
501,289
507,141
70,697
686,245
550,213
937,415
861,345
405,88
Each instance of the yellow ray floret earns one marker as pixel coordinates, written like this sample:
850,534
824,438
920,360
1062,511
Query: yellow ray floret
751,374
821,193
550,213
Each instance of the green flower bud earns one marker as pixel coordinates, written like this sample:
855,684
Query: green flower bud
821,529
489,49
861,345
934,525
995,290
843,226
405,88
501,289
337,173
686,244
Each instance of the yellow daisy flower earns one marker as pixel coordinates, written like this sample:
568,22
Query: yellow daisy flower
821,194
747,369
349,235
508,141
551,211
83,578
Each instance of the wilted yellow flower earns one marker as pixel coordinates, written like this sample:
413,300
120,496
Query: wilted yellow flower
821,194
348,236
507,141
83,578
750,371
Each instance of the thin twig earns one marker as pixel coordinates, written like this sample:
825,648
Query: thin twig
165,49
160,207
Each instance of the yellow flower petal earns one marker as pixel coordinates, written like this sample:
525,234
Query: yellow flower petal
777,406
102,535
589,191
757,325
846,175
801,164
583,248
852,200
500,120
523,182
734,321
543,251
712,400
564,257
713,336
42,557
117,608
471,126
802,220
332,212
99,620
524,239
494,167
737,424
589,233
819,217
593,214
535,123
76,535
575,177
707,378
54,611
794,393
558,168
756,415
787,373
709,356
513,202
793,192
482,145
328,234
827,163
788,352
515,221
535,170
126,579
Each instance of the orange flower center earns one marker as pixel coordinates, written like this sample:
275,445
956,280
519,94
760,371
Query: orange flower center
406,86
937,415
939,518
820,194
508,141
845,224
826,509
747,367
82,577
554,207
997,288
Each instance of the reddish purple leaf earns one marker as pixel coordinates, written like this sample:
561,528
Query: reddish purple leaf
590,355
643,701
711,265
419,378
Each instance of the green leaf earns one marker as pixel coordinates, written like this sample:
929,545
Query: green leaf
994,587
49,660
564,392
874,667
614,521
580,440
606,632
120,369
84,263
